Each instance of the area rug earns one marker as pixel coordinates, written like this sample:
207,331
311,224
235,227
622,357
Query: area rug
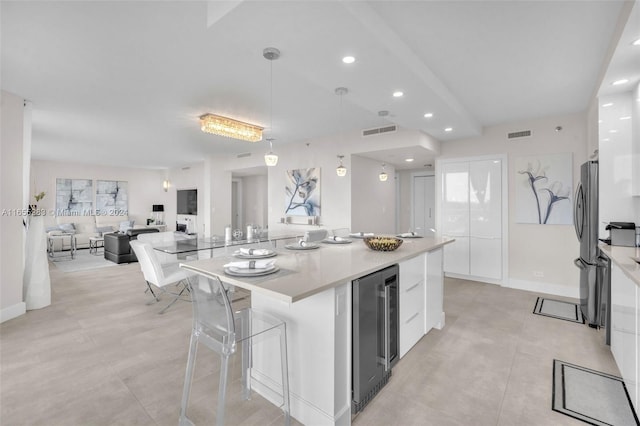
558,309
82,261
591,396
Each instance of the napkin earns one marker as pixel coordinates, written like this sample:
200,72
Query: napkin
362,234
252,264
255,252
334,238
408,234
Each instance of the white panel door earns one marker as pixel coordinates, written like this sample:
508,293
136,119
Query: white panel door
485,219
485,198
455,199
485,257
456,256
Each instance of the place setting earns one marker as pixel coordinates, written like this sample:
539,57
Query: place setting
410,234
307,242
337,240
361,235
251,268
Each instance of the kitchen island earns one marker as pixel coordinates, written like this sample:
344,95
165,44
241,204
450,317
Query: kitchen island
312,293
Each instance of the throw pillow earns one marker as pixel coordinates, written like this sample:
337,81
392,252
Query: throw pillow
104,229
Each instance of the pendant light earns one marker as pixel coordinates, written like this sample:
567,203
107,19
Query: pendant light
271,54
383,175
341,170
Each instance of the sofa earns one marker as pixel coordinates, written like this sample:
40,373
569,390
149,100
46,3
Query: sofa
85,227
117,248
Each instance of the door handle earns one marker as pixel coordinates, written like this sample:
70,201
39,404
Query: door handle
387,331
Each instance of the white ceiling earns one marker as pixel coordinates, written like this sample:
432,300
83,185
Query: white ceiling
123,83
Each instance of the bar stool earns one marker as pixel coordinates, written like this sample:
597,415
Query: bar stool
216,326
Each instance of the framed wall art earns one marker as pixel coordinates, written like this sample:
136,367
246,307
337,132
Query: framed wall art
302,192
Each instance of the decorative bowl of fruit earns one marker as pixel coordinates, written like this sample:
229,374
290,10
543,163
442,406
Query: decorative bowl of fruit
380,243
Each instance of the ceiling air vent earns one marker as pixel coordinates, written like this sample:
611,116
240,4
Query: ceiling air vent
244,154
379,130
519,135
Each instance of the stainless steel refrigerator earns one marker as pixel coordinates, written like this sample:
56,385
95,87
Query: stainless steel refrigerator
593,266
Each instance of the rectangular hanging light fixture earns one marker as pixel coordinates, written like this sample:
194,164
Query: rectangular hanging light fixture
230,128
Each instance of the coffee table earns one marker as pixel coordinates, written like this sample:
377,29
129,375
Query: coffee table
62,245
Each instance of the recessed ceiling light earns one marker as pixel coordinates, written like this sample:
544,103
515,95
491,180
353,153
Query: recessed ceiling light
619,82
613,131
636,43
448,129
608,104
428,115
408,160
626,117
348,59
605,140
398,94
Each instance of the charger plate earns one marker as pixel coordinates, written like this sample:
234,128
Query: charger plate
241,272
299,247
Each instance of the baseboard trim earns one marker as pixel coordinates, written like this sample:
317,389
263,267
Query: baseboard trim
542,287
13,311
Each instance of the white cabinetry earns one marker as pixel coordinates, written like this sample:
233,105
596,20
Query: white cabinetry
472,206
625,321
412,302
421,298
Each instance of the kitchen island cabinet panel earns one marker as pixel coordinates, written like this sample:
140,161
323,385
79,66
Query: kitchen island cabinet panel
412,302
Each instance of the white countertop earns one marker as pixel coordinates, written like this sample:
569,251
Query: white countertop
304,273
623,257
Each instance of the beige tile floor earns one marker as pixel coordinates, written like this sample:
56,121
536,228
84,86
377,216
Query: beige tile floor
100,356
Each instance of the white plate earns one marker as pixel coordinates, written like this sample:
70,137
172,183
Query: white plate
409,236
243,272
297,246
343,241
254,256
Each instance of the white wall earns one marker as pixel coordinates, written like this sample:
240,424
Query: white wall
254,200
372,202
144,185
549,249
12,232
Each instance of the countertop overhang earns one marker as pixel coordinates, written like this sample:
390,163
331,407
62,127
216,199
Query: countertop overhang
623,257
304,273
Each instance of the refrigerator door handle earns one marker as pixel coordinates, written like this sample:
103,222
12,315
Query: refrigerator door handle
579,263
578,209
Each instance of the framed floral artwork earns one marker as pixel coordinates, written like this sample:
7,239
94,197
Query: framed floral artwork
544,193
302,192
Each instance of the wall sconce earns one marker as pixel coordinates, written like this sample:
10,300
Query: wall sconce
341,170
165,185
383,175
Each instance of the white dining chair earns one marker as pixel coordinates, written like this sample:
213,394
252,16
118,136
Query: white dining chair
160,275
217,327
